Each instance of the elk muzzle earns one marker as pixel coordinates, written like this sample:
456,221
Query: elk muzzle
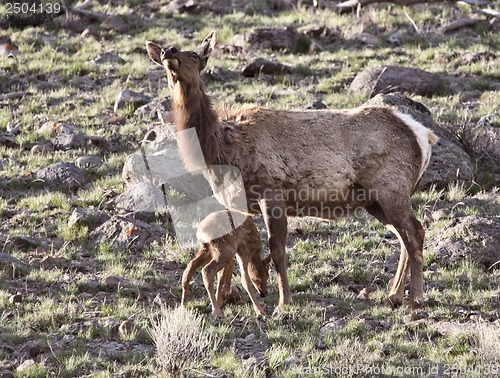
168,56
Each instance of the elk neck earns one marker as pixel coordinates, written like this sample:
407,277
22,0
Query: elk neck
192,108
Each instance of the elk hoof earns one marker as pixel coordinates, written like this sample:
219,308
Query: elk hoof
394,302
415,304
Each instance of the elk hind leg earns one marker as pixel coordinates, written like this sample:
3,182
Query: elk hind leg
410,234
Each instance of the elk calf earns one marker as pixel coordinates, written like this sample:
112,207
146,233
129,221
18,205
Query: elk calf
217,254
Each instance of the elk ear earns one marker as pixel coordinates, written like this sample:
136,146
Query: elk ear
154,52
206,48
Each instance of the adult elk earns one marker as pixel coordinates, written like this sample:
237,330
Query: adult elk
323,163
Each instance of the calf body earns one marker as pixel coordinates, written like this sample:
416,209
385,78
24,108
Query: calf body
217,253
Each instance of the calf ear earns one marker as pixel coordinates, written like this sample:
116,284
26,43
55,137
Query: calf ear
154,52
207,47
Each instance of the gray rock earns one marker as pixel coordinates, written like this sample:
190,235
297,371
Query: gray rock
276,38
15,298
130,98
476,237
151,109
48,128
90,163
114,282
65,176
124,232
290,361
67,140
8,260
25,365
142,197
49,262
6,374
8,140
449,162
116,22
108,58
389,79
263,66
42,148
87,216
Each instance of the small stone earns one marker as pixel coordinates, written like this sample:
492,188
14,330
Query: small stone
87,216
6,374
290,361
126,326
364,294
368,39
165,117
16,298
395,38
108,58
318,105
463,279
263,66
414,316
142,197
14,128
250,337
116,120
130,98
115,22
42,149
25,365
439,214
68,140
115,281
50,262
88,162
332,325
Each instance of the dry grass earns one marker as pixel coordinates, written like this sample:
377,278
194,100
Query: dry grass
182,340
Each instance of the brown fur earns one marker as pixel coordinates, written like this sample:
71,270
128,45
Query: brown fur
216,255
341,160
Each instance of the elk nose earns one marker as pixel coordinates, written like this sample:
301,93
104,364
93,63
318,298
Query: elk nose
169,53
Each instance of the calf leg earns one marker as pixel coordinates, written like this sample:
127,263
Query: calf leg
209,272
198,262
274,212
245,281
224,285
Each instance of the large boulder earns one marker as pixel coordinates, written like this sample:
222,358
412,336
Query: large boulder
477,237
278,38
61,176
389,79
449,162
128,233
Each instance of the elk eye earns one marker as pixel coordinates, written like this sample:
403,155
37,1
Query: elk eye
195,55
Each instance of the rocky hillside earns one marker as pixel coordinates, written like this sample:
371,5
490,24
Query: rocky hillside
89,255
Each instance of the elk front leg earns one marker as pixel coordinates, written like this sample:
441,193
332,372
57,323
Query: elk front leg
274,211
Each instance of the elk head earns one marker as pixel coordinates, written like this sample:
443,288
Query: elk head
259,274
182,66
